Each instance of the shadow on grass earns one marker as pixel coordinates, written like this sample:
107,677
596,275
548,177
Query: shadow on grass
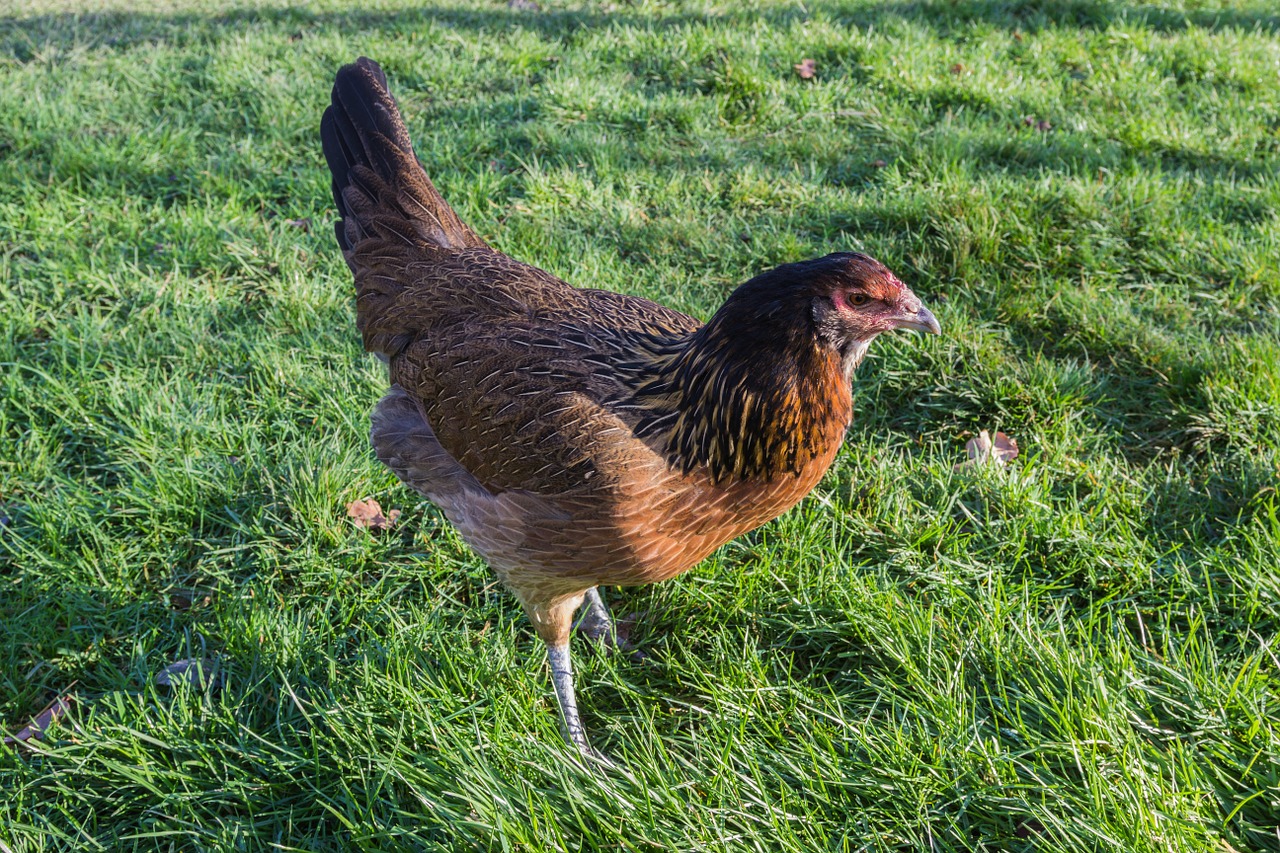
28,37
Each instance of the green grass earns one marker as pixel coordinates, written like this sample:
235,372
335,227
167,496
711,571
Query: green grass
1075,653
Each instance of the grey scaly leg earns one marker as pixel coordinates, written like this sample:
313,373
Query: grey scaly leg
562,678
595,622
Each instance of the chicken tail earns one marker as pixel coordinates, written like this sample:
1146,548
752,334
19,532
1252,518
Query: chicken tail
379,186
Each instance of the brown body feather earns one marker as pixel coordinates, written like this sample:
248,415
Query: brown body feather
626,446
580,437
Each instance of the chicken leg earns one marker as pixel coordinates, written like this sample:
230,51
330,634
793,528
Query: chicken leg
562,679
596,623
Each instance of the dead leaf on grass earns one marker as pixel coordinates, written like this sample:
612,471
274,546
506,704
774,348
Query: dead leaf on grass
304,223
983,449
41,722
807,68
958,68
185,599
368,514
203,673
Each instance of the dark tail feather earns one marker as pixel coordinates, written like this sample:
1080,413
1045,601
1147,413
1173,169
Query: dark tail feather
379,186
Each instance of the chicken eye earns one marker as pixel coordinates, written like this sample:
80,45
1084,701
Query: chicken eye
857,300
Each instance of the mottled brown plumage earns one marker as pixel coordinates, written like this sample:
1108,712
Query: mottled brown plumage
582,437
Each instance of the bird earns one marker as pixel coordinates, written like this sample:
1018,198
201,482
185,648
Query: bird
579,437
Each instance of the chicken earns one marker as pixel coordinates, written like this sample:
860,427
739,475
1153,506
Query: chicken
582,437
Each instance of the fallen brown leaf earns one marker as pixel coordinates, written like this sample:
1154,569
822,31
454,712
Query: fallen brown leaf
204,673
41,722
304,223
984,449
878,164
185,599
958,68
807,68
1043,126
368,514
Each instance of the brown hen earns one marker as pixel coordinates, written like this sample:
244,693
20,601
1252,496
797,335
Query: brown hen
581,437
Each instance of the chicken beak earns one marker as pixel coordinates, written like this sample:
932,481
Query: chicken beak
922,320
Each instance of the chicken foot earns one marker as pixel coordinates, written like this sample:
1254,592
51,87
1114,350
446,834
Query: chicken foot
597,624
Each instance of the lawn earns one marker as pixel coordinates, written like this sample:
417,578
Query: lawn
1075,651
